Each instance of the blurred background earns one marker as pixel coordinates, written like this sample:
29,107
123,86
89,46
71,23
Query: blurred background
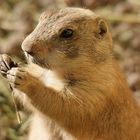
19,17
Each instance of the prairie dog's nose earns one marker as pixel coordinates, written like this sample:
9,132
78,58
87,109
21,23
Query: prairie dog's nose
34,45
29,46
29,51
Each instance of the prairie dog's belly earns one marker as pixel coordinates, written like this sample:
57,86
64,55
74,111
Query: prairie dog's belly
42,128
38,128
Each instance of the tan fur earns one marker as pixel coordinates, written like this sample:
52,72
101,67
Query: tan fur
77,90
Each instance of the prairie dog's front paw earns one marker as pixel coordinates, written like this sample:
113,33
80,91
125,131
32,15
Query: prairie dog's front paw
17,77
6,63
20,79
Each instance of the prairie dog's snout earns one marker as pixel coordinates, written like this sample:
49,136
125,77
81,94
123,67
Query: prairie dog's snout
34,46
28,47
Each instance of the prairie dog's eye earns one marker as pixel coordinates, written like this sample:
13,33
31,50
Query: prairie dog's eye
67,33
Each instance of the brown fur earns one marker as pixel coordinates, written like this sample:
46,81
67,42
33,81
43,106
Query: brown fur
77,90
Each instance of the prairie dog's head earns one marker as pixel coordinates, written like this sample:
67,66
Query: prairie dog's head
69,38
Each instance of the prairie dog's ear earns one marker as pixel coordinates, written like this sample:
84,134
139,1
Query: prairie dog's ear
102,28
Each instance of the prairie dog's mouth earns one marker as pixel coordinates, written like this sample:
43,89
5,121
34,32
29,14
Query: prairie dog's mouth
36,60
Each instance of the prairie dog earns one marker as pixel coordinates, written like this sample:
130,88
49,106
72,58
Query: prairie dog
72,83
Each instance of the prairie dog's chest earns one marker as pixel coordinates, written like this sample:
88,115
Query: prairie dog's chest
51,79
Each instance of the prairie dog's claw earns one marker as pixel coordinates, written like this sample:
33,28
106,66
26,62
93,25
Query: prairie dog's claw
6,63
